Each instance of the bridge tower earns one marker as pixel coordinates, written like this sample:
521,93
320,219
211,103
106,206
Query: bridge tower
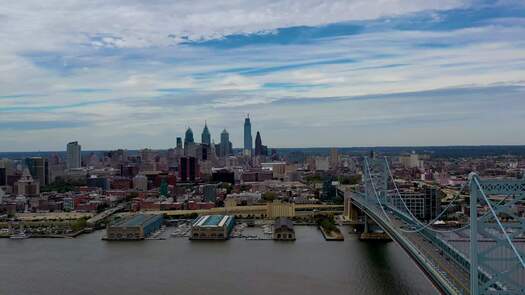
496,268
375,172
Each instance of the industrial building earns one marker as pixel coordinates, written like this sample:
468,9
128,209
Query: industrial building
212,227
137,227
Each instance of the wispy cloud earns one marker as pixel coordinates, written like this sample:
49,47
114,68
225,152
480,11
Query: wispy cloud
307,71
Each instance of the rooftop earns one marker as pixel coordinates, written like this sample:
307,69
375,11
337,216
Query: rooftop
137,220
212,220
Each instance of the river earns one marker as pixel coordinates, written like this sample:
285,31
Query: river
177,266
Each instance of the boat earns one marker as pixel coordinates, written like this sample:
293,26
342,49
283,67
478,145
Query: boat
20,236
267,230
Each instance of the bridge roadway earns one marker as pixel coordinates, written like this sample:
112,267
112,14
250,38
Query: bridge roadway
447,275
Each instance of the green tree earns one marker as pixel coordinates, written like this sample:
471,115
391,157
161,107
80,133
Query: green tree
269,196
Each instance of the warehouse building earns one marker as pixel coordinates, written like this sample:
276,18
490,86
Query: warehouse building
212,227
137,227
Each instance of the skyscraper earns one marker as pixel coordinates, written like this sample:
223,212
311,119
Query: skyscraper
225,145
188,137
260,149
73,155
3,176
188,169
179,142
258,144
206,137
248,141
39,169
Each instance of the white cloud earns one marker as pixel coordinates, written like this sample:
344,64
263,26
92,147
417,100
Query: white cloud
129,50
33,24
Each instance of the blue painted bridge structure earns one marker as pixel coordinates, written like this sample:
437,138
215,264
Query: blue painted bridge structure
483,257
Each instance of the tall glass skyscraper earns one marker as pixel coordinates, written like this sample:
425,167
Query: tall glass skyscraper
248,141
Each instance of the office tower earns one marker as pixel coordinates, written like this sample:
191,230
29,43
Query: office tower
147,159
260,149
225,145
258,144
206,137
5,170
73,155
3,176
248,142
188,138
188,169
179,142
39,169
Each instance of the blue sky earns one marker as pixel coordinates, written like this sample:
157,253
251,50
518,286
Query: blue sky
135,74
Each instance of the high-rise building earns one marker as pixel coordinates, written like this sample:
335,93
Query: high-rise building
5,170
258,144
3,176
248,141
423,202
179,142
225,147
206,137
260,149
73,155
188,169
39,169
188,137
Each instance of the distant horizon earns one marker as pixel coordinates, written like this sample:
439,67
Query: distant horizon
290,148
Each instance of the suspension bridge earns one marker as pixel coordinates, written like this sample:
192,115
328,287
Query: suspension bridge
485,256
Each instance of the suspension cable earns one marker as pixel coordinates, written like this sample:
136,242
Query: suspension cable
414,217
375,191
427,226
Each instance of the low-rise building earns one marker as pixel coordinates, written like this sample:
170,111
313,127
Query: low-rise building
283,229
136,227
212,227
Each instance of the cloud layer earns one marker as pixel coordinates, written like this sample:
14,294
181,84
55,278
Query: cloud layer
311,73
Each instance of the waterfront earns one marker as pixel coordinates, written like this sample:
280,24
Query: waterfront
87,265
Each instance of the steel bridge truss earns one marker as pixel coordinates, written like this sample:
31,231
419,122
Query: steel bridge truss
501,226
495,261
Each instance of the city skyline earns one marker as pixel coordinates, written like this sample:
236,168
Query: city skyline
295,146
312,74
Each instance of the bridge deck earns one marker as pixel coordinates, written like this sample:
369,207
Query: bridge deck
448,275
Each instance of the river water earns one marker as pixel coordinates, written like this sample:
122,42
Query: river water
177,266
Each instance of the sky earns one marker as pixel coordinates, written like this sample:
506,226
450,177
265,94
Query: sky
135,73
